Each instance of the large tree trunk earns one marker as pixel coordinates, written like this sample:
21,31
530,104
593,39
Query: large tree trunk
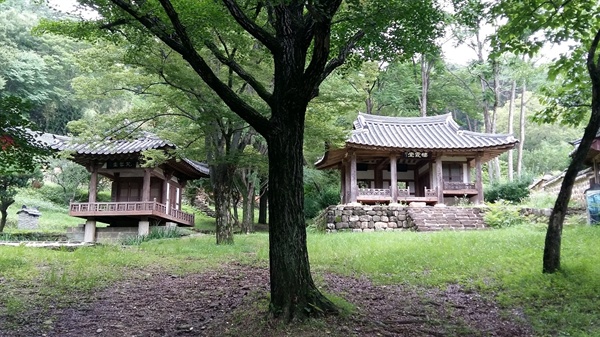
221,176
293,292
552,245
511,113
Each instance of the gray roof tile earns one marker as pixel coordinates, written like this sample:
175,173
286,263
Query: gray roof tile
432,133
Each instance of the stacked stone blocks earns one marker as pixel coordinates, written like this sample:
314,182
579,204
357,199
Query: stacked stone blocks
368,218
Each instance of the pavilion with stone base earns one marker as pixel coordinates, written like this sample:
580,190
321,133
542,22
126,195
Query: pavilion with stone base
428,160
139,194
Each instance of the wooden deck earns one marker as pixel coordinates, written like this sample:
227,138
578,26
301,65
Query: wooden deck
384,195
138,209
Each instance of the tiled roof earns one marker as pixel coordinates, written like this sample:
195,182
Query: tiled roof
435,132
110,147
200,167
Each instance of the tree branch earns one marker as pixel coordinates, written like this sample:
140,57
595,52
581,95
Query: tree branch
342,55
185,47
256,85
251,27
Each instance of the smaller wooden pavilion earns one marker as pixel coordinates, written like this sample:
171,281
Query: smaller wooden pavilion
592,158
138,194
413,159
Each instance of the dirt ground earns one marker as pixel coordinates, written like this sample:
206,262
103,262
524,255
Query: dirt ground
232,301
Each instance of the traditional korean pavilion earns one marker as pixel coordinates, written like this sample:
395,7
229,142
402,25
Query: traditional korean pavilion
138,194
413,159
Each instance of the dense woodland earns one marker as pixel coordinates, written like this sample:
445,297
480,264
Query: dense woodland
111,77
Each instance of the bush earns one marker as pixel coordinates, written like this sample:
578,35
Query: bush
155,233
513,192
502,215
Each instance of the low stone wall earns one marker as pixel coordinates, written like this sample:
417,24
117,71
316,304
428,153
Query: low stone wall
366,218
103,234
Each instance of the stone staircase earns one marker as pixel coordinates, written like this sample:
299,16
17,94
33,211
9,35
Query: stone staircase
424,219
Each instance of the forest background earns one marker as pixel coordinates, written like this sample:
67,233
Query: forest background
83,88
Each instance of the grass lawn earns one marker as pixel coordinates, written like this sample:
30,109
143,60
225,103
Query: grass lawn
503,264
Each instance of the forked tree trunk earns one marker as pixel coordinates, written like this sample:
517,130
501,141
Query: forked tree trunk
293,292
551,262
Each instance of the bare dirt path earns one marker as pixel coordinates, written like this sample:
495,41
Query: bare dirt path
232,301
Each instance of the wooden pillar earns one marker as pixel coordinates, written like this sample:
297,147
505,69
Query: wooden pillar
165,190
93,190
393,179
478,179
146,185
353,179
439,177
114,188
343,183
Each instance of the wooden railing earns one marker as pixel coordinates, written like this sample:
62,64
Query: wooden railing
379,192
130,208
430,192
458,186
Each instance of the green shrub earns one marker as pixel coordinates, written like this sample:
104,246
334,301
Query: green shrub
155,233
514,191
502,215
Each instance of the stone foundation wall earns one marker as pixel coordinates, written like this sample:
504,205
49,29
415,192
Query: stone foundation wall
366,218
103,234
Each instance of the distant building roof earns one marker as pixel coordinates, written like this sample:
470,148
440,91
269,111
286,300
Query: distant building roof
108,148
425,133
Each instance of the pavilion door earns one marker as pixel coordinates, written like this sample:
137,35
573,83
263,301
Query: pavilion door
130,190
173,197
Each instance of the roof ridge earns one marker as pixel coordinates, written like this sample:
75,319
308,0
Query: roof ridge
444,118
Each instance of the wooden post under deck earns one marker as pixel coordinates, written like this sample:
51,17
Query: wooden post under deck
478,179
393,179
353,181
439,179
89,234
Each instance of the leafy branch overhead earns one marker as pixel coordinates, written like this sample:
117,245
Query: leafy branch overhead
330,32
